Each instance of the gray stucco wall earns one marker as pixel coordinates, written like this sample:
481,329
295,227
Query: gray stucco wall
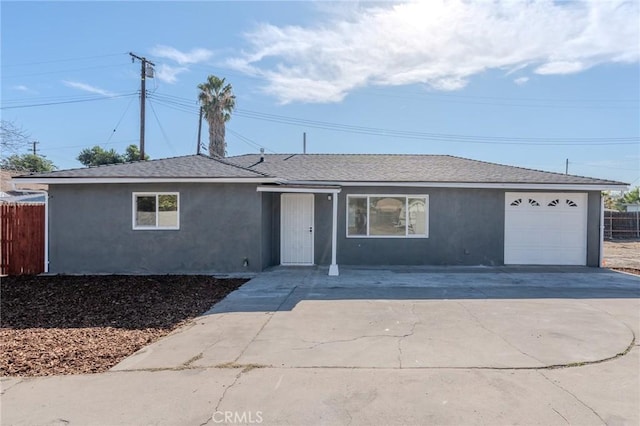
593,228
466,227
323,214
271,236
220,224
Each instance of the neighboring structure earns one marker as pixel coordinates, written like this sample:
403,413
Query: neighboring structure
634,207
29,194
197,214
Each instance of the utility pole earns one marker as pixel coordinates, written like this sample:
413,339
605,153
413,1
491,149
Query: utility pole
304,142
199,131
145,71
566,167
34,147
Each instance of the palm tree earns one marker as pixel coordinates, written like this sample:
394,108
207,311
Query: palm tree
217,101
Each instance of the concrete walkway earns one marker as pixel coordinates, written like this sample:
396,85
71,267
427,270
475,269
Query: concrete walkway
381,346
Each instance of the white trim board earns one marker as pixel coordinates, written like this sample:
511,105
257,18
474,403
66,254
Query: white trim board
476,185
309,190
472,185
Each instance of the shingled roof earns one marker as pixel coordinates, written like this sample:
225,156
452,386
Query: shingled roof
191,166
326,168
400,168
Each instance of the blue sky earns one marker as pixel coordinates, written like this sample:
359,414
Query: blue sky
523,83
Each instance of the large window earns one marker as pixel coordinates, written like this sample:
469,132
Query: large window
156,210
388,216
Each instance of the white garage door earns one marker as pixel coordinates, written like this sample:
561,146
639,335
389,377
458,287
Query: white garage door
545,228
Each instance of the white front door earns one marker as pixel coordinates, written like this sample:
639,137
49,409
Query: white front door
545,228
296,229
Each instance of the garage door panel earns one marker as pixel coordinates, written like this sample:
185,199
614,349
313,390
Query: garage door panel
545,228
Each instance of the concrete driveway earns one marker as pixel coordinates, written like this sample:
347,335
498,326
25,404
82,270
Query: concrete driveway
376,346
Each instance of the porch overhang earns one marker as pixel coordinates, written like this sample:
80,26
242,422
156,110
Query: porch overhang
305,189
311,189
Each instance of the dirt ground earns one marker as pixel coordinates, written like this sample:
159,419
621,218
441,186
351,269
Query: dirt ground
622,254
87,324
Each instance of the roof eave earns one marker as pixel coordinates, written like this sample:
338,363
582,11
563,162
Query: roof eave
99,180
596,186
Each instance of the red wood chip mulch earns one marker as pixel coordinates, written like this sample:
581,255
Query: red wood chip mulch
86,324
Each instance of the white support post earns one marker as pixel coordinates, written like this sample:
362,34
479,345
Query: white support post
333,268
601,253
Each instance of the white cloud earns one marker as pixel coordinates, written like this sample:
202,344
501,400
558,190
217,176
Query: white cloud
521,80
194,56
169,74
441,43
23,88
87,88
561,67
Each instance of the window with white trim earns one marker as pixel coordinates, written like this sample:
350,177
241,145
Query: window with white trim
156,210
388,216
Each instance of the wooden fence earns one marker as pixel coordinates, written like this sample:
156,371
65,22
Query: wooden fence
22,238
621,225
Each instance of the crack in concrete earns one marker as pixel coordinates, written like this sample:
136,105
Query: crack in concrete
245,367
353,339
190,361
224,393
413,329
497,334
574,397
560,414
234,365
207,422
218,318
5,389
270,316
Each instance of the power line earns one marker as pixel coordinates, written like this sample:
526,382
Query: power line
598,166
126,141
496,140
61,71
99,98
120,120
176,105
249,141
191,109
81,58
47,98
164,134
185,105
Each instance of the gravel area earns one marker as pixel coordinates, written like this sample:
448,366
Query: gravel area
53,325
622,255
